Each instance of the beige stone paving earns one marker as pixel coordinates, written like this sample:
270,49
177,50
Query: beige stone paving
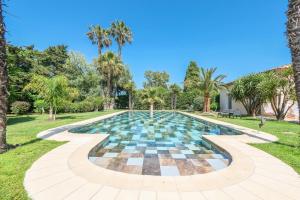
66,173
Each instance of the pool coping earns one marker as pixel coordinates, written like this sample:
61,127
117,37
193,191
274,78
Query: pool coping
72,158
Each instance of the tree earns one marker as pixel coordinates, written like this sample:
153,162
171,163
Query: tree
278,87
192,77
122,34
156,79
191,89
21,63
100,37
54,91
3,83
175,90
293,33
246,90
130,88
111,68
209,85
54,59
151,96
76,65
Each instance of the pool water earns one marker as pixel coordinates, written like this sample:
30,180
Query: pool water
167,144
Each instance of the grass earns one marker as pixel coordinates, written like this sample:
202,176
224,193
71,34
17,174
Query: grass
23,130
287,148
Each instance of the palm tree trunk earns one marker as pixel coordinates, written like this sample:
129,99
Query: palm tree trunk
175,102
130,101
151,109
119,50
50,112
293,33
3,83
99,51
206,107
172,102
54,116
108,102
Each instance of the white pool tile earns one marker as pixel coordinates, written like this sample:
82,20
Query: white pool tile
178,156
110,155
169,171
216,163
135,161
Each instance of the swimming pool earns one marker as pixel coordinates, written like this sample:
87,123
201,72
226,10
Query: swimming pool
167,144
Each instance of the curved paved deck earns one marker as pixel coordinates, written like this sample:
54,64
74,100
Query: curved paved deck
66,173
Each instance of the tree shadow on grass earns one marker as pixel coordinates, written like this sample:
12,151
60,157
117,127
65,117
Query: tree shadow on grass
19,119
66,117
287,144
15,146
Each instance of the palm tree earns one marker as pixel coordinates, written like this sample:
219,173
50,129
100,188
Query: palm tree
208,84
99,36
150,96
55,91
293,33
122,34
175,90
3,83
130,88
112,69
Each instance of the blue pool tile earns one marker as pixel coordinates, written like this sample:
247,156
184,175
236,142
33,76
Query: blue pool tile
169,171
141,145
187,152
130,147
162,148
136,137
150,151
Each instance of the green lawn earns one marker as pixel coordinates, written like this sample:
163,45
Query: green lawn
22,130
287,148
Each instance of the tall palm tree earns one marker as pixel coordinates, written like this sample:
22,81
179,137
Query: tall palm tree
208,84
175,90
99,36
3,83
121,33
112,68
293,33
150,96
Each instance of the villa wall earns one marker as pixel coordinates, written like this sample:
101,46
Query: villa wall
266,111
224,103
292,114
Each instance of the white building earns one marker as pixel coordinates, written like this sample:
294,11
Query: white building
229,104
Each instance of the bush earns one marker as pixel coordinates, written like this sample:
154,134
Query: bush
87,105
198,103
20,107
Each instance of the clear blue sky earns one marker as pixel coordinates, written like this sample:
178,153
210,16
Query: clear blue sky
237,36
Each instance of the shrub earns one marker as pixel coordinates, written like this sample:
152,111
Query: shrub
20,107
87,105
198,103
